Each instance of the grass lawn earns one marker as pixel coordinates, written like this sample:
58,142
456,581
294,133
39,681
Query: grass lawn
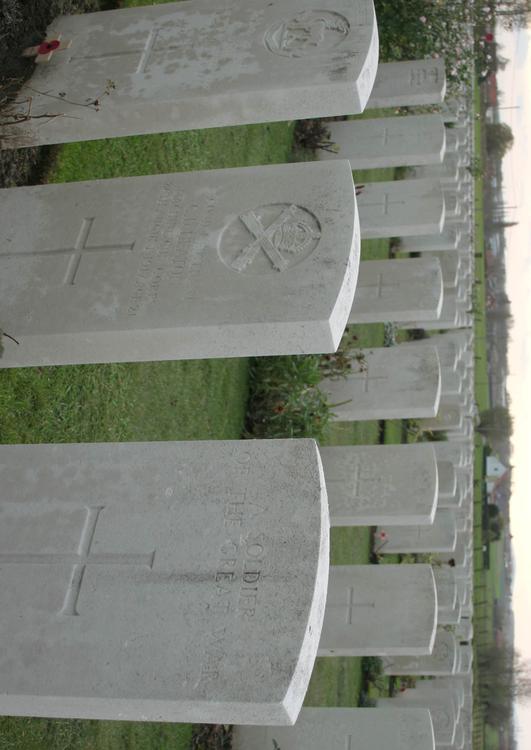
168,401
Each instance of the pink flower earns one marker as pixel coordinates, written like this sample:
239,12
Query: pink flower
383,535
423,19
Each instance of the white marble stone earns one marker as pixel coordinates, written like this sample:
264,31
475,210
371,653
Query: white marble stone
447,478
387,141
379,610
369,485
448,239
442,661
441,536
411,83
443,711
396,290
449,417
181,66
401,208
227,263
344,729
387,383
161,581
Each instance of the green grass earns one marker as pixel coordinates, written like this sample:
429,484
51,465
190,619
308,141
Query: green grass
46,734
169,401
149,401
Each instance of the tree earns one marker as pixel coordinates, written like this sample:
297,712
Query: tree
500,139
512,13
504,677
496,423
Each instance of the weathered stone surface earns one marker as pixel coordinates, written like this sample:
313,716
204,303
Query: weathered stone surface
441,536
161,581
369,485
180,66
387,141
344,728
397,290
401,208
227,263
442,661
447,478
389,383
379,610
441,704
411,83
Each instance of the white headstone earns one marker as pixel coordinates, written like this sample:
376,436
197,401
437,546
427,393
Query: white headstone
388,383
441,536
447,478
396,290
344,729
379,610
401,208
369,483
227,263
446,587
449,417
181,66
387,141
161,581
412,83
442,660
448,239
441,705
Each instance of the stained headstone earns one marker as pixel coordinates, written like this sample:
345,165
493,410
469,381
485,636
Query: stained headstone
448,239
344,729
161,581
181,66
369,483
411,83
447,478
441,705
379,610
396,290
387,141
446,587
442,661
227,263
449,417
401,208
441,536
387,383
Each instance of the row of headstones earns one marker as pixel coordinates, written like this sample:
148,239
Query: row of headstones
208,560
290,230
106,263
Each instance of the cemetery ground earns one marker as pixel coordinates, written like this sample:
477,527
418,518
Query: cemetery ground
189,400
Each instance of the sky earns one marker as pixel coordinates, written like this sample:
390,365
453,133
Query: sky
515,86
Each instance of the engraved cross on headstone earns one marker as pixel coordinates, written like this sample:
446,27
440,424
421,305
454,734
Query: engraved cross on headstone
366,378
75,252
144,54
384,204
380,285
351,605
80,560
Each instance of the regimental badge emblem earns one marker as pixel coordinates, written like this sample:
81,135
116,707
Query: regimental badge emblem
269,239
307,33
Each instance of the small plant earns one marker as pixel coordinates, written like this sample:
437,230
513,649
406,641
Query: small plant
314,135
348,357
285,399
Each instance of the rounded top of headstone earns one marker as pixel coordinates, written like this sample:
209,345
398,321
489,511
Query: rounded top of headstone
205,585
